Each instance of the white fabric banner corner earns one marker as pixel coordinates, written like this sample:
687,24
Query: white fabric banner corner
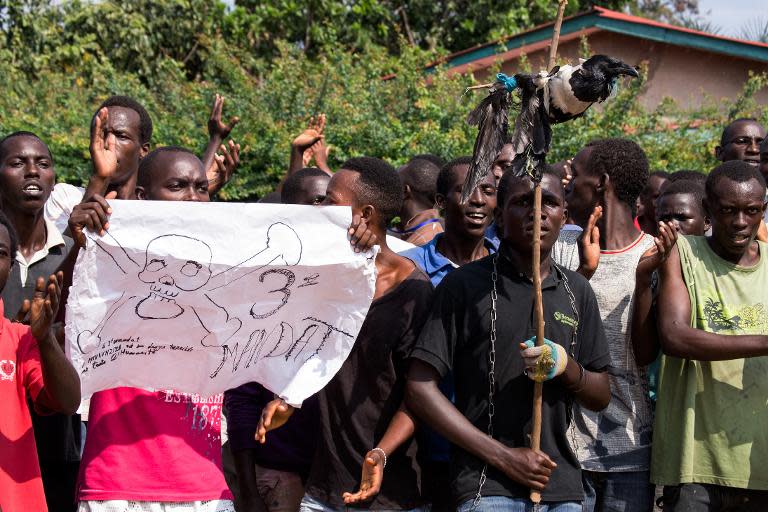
204,297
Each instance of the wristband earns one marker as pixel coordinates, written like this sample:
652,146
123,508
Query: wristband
377,449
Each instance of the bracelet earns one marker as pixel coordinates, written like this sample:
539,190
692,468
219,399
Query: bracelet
377,449
582,380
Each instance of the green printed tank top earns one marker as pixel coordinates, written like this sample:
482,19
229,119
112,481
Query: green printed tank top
712,417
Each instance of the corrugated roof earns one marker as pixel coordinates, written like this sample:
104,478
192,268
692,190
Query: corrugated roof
603,19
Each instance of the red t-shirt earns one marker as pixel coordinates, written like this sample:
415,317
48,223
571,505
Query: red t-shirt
152,446
21,488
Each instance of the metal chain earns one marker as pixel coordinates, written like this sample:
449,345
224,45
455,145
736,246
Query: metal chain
572,298
492,358
491,376
575,310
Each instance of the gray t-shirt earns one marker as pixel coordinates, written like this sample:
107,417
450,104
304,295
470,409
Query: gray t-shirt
619,437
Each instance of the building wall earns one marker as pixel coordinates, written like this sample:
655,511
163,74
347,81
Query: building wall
685,74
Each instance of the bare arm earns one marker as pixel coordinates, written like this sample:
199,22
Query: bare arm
217,131
302,144
679,339
223,167
62,384
103,157
591,389
589,245
425,399
400,429
645,337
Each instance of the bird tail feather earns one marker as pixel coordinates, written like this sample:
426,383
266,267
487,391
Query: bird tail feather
491,118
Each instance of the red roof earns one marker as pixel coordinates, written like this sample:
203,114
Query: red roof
607,13
753,49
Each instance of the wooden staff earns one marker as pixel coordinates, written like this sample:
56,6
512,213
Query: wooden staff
538,387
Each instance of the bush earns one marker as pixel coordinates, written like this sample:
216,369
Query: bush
55,91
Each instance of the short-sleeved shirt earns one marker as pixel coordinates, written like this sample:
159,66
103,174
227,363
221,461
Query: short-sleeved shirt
21,487
61,202
712,416
433,262
437,266
358,404
617,438
153,446
456,338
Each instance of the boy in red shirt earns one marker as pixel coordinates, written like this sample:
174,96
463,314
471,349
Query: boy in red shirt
33,363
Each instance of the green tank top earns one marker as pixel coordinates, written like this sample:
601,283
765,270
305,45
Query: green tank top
712,417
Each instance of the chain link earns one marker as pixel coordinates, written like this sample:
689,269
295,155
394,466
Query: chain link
491,376
492,359
572,425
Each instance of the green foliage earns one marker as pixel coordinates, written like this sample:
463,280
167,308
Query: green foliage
61,59
318,25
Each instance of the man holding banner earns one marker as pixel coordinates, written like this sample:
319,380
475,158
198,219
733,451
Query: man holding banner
364,425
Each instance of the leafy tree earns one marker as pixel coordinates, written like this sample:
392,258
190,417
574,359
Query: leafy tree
61,59
453,25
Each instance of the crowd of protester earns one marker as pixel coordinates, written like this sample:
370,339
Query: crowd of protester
654,365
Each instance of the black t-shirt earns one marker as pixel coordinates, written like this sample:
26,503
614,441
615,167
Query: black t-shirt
456,338
361,399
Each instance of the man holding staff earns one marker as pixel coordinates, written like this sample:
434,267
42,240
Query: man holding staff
481,316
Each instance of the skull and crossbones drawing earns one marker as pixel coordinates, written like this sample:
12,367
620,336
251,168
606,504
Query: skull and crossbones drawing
177,285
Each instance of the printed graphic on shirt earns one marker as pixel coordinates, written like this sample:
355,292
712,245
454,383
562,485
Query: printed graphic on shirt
7,369
201,412
751,318
565,319
202,415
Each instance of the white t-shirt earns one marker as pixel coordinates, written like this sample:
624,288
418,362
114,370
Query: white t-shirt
61,202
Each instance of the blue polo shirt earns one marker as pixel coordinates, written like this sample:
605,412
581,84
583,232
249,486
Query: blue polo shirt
434,264
437,266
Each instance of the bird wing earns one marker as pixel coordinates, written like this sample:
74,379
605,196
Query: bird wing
532,133
492,120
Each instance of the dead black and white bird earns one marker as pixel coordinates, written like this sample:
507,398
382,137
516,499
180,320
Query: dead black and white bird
565,93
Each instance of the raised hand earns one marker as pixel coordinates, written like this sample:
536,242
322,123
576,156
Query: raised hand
45,305
589,244
93,214
102,148
274,415
568,176
223,166
22,315
370,482
216,127
319,151
311,134
652,259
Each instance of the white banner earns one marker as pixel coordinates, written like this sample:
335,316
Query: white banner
203,297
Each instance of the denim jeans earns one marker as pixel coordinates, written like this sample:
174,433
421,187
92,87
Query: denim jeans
310,504
507,504
617,492
712,498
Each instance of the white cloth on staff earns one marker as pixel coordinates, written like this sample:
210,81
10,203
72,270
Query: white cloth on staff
203,297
